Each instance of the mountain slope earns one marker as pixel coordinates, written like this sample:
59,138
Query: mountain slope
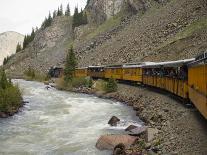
8,43
121,31
47,49
167,31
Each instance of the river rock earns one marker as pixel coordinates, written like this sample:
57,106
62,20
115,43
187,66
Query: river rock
108,142
129,128
3,115
113,121
151,133
119,149
135,130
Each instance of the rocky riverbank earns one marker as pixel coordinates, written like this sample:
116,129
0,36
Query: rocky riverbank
12,112
181,129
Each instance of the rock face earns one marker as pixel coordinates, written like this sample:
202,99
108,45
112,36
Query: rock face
8,43
108,142
101,10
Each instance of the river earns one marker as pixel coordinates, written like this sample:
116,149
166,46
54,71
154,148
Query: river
58,122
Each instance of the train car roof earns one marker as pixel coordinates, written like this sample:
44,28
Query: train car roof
82,68
137,65
199,59
114,66
95,66
177,63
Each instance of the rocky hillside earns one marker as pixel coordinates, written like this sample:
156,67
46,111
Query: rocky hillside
121,31
48,48
160,30
8,43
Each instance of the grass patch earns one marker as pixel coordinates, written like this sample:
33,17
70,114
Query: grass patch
108,24
33,75
74,83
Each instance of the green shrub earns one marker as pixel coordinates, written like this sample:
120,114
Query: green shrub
111,86
90,83
10,95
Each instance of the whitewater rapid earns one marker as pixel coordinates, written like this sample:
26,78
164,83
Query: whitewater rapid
58,122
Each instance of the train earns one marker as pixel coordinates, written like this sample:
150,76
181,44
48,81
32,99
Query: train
186,79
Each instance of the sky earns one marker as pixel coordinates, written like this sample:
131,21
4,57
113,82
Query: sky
22,15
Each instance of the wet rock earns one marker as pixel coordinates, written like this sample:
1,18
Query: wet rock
108,142
3,115
135,130
129,128
119,149
113,121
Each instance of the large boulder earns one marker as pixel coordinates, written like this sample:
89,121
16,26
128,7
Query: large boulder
108,142
113,121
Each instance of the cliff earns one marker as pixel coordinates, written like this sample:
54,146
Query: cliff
8,43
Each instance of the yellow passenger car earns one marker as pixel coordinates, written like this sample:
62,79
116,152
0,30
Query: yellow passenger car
132,72
170,76
114,71
81,72
96,71
197,82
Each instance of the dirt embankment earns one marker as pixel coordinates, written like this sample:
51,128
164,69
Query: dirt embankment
182,130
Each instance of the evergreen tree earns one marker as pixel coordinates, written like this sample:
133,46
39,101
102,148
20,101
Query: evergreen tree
61,10
85,18
49,20
70,65
18,48
88,1
3,80
32,35
67,12
75,18
54,14
58,12
79,18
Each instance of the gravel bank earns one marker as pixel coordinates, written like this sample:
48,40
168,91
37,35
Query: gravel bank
182,130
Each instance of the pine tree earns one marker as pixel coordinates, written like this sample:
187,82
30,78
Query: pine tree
88,1
67,12
3,80
49,20
85,18
75,18
18,48
70,65
32,35
61,10
54,14
58,12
